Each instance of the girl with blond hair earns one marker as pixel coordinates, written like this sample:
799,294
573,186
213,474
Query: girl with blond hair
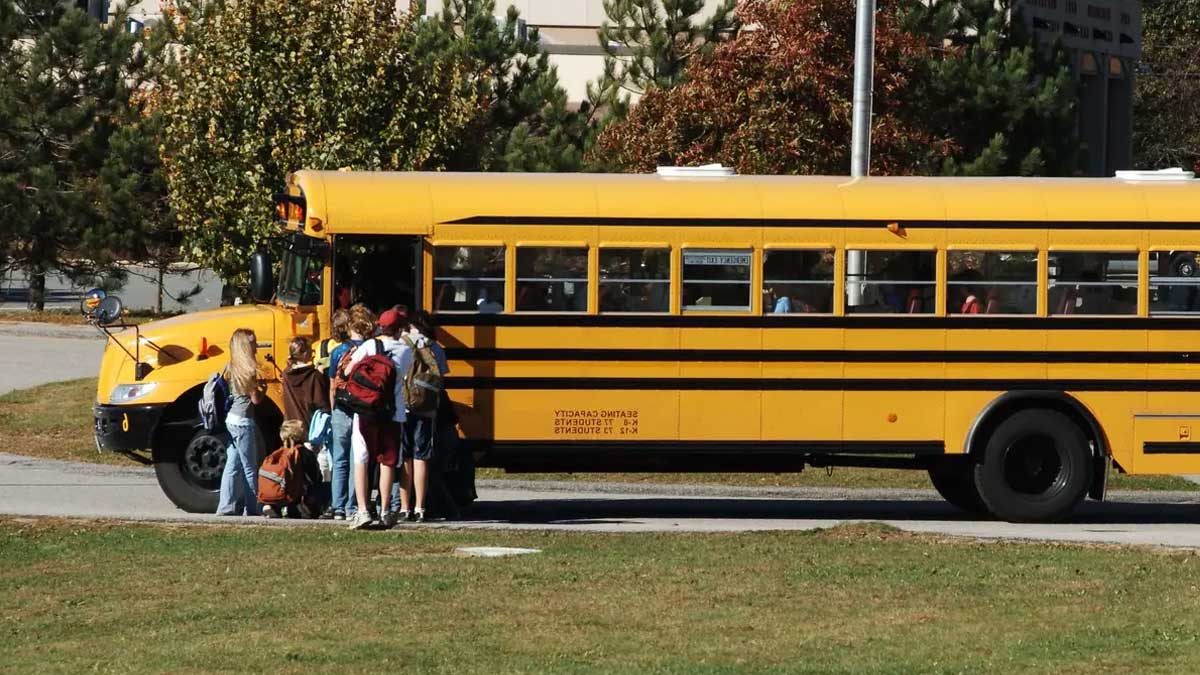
240,478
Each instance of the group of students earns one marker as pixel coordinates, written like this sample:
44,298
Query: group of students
366,401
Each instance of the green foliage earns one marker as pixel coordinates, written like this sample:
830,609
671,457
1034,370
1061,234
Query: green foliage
65,87
265,88
525,123
1166,128
776,99
1008,104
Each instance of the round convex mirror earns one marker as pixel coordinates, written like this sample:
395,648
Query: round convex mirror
91,300
109,310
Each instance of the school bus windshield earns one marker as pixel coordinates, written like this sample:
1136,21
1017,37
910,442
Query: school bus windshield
303,267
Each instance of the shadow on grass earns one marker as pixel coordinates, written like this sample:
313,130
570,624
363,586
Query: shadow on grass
616,511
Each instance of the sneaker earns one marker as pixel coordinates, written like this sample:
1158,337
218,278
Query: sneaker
269,511
418,516
403,516
388,520
338,515
360,520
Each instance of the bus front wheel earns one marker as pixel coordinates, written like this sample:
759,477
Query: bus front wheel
1036,467
191,476
954,480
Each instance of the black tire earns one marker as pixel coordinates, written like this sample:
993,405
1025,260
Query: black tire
191,476
1036,467
954,479
1184,265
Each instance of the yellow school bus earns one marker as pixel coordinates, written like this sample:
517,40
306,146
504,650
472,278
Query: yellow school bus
1011,336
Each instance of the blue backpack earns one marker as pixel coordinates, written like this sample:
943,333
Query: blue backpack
215,402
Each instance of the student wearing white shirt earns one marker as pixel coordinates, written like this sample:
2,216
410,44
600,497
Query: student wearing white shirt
380,438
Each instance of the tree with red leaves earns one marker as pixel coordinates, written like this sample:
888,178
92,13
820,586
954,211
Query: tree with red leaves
776,100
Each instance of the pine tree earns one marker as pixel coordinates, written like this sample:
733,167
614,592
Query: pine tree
526,123
1008,103
64,91
1166,128
648,44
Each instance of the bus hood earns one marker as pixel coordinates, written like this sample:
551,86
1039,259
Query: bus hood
171,348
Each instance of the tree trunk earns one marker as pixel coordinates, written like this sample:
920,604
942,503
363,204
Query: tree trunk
37,289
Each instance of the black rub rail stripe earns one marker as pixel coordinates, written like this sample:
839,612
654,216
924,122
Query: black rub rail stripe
592,221
756,447
815,356
893,322
809,384
1169,448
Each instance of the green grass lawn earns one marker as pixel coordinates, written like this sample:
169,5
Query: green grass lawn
79,596
55,421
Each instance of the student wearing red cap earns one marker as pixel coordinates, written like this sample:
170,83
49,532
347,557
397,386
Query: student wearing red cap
379,439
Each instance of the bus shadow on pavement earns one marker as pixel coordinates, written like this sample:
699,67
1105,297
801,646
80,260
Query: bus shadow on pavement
587,511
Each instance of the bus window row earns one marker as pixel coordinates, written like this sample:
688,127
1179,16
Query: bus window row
801,281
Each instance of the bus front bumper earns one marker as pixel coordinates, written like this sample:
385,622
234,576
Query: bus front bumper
125,428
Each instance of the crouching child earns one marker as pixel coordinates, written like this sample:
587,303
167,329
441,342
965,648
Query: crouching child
290,478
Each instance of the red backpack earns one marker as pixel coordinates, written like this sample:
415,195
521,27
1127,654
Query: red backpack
369,388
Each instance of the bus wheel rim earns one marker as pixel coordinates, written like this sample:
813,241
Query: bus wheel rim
1034,465
204,459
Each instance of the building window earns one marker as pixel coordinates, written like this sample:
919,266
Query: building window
1103,13
1072,7
892,282
1174,283
635,280
1126,19
1093,283
552,279
716,280
468,279
798,282
1104,35
991,282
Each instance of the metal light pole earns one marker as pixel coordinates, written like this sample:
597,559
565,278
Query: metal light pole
860,150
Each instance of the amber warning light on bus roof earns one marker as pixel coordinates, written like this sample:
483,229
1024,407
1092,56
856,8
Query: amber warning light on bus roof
289,212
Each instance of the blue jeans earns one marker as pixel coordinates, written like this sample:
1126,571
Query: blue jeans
342,478
239,481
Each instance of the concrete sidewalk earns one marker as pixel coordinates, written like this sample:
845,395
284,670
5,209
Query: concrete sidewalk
31,487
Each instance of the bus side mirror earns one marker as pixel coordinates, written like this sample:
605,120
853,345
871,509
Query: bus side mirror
262,278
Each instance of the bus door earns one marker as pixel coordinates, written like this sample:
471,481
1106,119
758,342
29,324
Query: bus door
377,270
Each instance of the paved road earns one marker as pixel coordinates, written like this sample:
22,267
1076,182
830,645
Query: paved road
30,487
34,354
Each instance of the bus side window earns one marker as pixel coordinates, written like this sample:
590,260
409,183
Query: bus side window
1174,283
716,280
991,282
468,279
635,280
1092,283
798,281
552,279
892,282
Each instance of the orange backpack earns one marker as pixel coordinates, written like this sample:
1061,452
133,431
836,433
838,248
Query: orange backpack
281,478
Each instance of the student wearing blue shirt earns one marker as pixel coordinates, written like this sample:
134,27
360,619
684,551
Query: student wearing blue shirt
362,325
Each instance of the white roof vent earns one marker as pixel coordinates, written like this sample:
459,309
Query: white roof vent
1162,174
706,171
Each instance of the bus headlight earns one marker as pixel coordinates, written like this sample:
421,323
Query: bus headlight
126,393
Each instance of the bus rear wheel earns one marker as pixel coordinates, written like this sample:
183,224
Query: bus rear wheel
191,476
954,480
1036,467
